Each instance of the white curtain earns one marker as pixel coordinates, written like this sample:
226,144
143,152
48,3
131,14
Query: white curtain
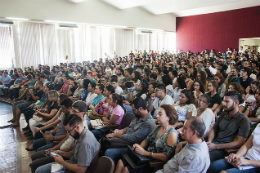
6,47
36,43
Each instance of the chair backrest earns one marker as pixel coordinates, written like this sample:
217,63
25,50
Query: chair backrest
126,121
104,165
94,161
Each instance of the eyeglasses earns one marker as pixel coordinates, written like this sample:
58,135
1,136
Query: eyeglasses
196,85
68,131
203,101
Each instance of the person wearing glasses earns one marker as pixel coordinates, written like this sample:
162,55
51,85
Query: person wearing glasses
251,91
85,148
245,80
158,98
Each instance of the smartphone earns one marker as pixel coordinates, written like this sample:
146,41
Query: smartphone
52,153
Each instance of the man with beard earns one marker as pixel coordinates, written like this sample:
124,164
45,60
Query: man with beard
85,148
230,131
140,127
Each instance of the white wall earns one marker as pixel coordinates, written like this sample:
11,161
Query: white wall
90,11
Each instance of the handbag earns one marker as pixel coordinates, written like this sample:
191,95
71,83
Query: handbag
99,108
93,117
97,124
38,117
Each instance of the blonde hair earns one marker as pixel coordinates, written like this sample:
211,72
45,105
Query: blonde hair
54,94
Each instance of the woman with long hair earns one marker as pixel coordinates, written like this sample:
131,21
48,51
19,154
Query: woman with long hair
197,89
117,113
136,77
221,85
203,78
141,89
167,81
184,107
178,86
159,144
251,90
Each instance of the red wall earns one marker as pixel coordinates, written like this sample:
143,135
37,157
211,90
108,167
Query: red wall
217,30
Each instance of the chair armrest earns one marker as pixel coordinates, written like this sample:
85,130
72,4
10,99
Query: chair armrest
156,163
232,150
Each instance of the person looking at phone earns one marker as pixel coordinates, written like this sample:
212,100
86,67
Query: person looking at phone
85,148
160,143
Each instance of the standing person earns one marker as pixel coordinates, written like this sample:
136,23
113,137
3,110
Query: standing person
194,157
84,142
230,125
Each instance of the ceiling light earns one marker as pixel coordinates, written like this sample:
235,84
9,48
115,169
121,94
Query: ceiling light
56,21
15,18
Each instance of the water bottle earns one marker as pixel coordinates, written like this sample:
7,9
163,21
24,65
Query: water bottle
131,89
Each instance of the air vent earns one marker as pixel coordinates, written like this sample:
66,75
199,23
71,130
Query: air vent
147,32
69,26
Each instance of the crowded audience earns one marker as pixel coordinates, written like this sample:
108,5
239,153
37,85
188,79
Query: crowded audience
185,112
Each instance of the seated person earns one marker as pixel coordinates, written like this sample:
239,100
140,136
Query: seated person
20,106
91,94
6,79
109,90
117,88
247,155
215,98
205,113
197,90
158,98
51,137
84,142
141,90
234,87
160,143
99,92
178,86
85,91
50,110
194,157
72,86
141,125
14,89
77,93
65,86
184,107
231,124
117,114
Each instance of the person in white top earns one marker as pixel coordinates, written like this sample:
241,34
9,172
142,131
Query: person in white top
167,81
117,88
158,98
205,113
241,50
91,94
246,159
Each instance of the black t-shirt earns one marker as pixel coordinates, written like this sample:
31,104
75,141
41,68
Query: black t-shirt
53,106
73,89
36,94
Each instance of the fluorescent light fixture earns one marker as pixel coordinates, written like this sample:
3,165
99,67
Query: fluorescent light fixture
15,18
56,21
149,29
113,26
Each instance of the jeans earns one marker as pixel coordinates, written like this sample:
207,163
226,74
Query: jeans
28,114
98,132
115,153
39,159
45,168
42,144
222,164
128,108
1,90
217,154
14,93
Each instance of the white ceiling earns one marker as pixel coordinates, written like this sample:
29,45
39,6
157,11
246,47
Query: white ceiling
183,7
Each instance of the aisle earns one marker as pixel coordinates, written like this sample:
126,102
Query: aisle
13,156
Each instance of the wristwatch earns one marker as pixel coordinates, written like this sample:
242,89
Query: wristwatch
151,154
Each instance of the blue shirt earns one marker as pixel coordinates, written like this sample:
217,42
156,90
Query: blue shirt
84,94
19,80
97,99
7,79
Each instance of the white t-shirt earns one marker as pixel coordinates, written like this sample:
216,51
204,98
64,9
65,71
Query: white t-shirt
208,118
169,87
90,98
176,94
157,103
119,90
254,152
183,110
